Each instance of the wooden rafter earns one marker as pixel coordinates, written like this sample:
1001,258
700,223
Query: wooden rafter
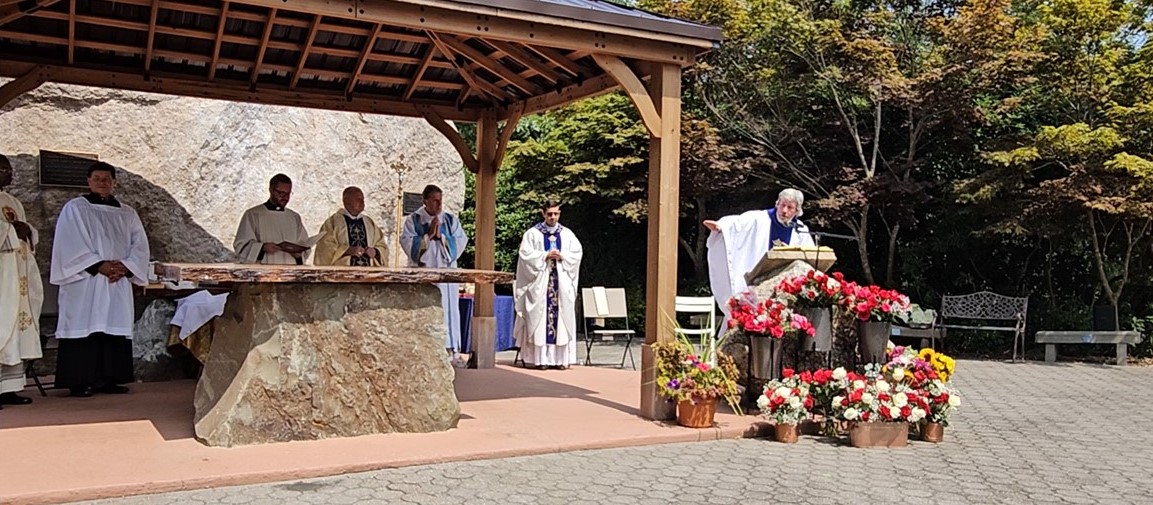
576,69
263,47
71,31
429,52
12,12
219,39
635,88
524,58
304,52
151,35
473,81
489,64
368,45
452,135
463,97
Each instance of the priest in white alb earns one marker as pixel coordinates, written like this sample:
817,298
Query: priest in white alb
100,250
434,238
21,293
737,243
547,276
271,233
349,237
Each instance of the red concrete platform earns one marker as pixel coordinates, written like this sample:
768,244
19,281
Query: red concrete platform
61,449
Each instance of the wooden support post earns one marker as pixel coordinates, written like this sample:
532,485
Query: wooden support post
483,319
23,84
664,201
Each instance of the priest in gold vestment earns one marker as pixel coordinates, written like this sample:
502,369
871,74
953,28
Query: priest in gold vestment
21,293
349,237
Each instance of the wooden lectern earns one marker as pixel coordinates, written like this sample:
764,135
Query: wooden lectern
781,258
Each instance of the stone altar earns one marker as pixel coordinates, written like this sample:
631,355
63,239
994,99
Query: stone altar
304,352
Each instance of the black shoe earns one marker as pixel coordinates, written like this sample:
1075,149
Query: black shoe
112,389
81,392
14,399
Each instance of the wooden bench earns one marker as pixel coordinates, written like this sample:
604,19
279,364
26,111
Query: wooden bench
1123,339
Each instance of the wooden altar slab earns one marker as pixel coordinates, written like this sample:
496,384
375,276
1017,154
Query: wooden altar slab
236,273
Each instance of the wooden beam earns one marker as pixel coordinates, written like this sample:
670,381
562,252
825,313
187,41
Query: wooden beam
484,320
151,35
71,31
12,12
430,50
635,88
452,135
263,47
506,134
368,45
473,81
196,86
569,94
500,25
490,64
575,69
524,58
663,216
218,41
304,52
31,80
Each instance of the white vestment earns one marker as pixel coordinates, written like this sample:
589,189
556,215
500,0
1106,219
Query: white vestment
741,242
21,297
531,292
441,253
87,234
261,224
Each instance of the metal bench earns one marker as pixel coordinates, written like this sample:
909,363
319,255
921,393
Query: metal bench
1123,339
986,306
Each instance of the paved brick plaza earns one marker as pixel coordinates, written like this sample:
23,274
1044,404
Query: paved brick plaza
1026,433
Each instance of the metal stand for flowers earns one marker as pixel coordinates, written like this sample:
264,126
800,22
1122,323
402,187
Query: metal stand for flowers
764,363
873,337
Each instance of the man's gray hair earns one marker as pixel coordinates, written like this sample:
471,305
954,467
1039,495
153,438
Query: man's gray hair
795,196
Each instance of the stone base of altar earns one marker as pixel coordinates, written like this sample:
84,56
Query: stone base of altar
314,361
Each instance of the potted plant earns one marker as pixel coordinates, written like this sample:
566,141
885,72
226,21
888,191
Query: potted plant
876,310
766,323
696,381
879,410
814,295
787,401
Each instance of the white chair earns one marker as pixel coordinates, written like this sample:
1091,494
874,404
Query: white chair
703,308
599,304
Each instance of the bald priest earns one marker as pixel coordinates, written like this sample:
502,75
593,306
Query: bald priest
349,237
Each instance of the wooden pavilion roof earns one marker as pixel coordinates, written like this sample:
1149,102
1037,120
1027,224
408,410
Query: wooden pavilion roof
451,59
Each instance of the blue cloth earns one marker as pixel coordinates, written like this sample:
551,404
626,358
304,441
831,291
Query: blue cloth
505,317
552,304
778,231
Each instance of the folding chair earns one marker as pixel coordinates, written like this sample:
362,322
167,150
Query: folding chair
702,308
600,303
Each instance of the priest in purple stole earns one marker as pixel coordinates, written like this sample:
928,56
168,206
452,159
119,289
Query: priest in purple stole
547,278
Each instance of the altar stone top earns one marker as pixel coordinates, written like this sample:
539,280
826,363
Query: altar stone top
234,273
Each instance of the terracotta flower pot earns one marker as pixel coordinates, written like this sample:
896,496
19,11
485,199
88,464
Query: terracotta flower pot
932,432
879,434
785,433
697,415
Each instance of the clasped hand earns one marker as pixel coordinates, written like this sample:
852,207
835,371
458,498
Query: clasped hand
434,228
23,231
554,255
113,270
357,251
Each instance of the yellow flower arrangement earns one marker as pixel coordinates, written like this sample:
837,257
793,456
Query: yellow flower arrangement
941,363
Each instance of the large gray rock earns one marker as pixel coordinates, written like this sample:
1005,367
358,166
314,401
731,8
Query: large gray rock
306,362
150,343
192,166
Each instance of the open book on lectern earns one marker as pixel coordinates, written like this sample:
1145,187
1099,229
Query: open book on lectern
821,258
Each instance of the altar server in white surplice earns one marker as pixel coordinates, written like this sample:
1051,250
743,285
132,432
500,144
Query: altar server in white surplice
349,237
100,250
737,243
547,275
21,293
433,238
271,233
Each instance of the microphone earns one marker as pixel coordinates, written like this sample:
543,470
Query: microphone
821,234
